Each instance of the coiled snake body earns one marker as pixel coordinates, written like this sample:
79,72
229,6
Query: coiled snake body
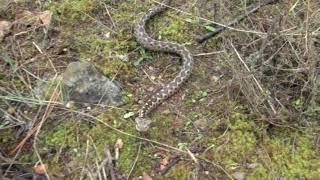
147,42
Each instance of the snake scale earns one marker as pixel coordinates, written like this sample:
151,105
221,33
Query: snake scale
162,46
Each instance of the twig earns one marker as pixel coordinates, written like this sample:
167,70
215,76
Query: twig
138,137
40,161
109,158
192,156
105,6
36,129
170,165
135,161
177,158
254,78
208,54
85,160
250,10
307,15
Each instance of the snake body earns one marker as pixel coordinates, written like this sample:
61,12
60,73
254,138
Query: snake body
163,46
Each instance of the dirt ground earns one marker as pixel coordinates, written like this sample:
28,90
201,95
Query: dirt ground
250,110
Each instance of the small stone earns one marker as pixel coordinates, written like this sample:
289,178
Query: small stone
152,77
201,124
214,78
167,111
239,175
4,28
107,35
11,110
253,165
70,104
150,89
123,58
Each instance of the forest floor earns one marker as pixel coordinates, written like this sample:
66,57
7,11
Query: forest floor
250,110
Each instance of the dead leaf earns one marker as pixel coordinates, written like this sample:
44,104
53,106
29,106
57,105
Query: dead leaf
40,169
152,77
4,28
163,163
45,18
162,167
145,176
119,144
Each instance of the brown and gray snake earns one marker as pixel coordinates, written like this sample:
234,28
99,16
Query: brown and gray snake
163,46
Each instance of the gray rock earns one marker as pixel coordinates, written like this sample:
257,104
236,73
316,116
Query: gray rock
82,83
85,84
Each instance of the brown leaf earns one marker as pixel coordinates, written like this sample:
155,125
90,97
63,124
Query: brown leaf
40,169
45,18
162,167
163,163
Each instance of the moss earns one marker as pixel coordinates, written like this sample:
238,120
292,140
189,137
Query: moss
283,153
241,141
129,11
102,135
27,157
162,127
114,67
176,30
215,43
73,11
291,155
179,172
7,137
65,135
197,97
235,142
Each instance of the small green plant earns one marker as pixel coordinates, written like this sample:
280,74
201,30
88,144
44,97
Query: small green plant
143,55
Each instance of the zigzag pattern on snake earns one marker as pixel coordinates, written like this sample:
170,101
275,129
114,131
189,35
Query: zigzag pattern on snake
163,46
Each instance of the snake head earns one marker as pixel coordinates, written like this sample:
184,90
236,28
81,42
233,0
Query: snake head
142,124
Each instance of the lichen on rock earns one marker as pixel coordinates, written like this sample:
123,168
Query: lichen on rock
81,83
84,83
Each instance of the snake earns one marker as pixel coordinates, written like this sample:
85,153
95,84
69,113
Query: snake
147,42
